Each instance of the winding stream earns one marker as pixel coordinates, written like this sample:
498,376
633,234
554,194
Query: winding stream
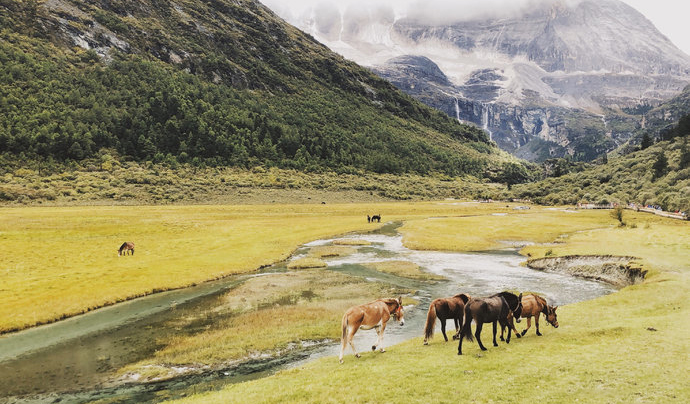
73,360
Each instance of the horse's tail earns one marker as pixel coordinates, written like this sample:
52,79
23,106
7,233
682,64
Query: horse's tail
467,324
430,322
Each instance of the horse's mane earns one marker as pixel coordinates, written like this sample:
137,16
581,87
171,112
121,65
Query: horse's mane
390,301
465,298
542,301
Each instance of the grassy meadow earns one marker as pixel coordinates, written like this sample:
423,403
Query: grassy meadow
62,261
630,346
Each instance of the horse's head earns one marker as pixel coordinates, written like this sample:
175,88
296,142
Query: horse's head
551,316
518,310
399,314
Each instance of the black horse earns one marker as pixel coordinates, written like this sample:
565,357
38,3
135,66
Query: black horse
493,309
376,218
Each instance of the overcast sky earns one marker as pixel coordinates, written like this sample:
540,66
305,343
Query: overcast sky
669,16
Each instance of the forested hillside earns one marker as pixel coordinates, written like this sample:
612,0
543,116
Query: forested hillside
657,174
215,82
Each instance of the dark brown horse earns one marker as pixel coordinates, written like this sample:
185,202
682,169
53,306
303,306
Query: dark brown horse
376,218
126,246
534,305
367,316
493,309
445,308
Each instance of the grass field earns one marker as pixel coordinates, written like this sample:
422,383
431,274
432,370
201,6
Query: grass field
62,261
630,346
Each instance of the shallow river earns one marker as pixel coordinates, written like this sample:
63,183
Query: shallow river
71,361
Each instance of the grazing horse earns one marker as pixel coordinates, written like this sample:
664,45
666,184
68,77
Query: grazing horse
126,246
445,308
376,218
533,305
367,316
492,309
368,219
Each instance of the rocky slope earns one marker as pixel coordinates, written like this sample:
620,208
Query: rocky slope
553,78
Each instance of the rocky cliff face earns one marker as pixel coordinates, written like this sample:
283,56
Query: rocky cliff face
558,78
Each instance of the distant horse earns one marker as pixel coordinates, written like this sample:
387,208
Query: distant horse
126,246
445,308
376,218
368,219
533,305
492,309
367,316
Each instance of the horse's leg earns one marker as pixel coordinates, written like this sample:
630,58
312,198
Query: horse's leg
383,328
478,334
443,328
509,325
458,323
350,337
495,326
536,323
378,338
529,324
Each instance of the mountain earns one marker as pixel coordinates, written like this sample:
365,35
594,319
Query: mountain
213,82
551,78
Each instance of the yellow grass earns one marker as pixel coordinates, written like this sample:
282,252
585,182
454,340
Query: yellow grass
488,232
404,269
307,262
62,261
331,251
351,241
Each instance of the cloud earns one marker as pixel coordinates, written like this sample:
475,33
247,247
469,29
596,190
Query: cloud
431,12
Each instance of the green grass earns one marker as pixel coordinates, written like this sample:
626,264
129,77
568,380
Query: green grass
630,346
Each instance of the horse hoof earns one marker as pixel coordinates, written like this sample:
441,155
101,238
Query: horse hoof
459,353
373,347
524,332
502,339
538,334
455,338
426,343
358,356
382,350
341,361
484,349
495,344
518,335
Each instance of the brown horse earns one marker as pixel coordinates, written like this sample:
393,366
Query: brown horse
367,316
533,305
445,308
126,246
493,309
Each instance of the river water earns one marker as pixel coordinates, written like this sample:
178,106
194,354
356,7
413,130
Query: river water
73,360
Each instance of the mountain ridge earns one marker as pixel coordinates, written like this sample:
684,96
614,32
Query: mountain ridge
218,82
557,63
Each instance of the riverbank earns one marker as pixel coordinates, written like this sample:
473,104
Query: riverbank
629,346
618,271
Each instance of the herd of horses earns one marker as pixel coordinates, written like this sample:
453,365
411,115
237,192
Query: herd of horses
502,309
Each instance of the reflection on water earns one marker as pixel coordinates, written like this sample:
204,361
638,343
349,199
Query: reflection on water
83,363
